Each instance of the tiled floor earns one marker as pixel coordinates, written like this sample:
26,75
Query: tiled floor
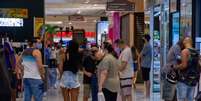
138,95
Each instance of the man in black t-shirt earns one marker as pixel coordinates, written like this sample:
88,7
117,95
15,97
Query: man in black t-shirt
89,64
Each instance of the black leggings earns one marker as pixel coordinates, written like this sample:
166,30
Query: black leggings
109,96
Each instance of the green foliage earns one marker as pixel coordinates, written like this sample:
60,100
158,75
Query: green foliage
50,29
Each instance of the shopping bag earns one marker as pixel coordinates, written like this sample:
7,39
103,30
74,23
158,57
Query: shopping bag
101,96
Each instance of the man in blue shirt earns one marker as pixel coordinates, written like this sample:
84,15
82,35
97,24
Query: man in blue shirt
146,60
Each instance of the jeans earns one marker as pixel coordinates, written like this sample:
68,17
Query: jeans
52,77
94,87
33,87
185,92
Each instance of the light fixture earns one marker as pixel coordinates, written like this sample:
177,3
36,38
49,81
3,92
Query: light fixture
95,20
78,12
87,1
54,22
70,23
95,5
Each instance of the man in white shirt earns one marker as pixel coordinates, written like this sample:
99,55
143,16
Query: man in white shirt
126,71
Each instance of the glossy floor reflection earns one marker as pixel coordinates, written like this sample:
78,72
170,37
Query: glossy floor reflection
138,95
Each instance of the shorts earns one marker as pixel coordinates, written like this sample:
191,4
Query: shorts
87,90
126,86
135,65
69,80
110,96
145,74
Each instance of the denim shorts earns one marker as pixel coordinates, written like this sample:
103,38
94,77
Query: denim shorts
69,80
185,92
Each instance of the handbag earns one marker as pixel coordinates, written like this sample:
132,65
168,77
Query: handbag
101,96
172,76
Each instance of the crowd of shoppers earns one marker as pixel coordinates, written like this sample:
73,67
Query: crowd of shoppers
105,71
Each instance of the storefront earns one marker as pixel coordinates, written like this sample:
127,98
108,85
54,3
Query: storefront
169,20
18,17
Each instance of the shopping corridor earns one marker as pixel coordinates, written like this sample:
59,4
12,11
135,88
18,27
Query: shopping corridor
138,95
98,50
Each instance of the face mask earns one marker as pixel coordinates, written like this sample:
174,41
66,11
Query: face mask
39,45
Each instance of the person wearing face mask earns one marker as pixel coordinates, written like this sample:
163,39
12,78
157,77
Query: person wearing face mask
39,44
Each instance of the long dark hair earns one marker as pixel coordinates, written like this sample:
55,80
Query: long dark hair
73,47
74,56
107,46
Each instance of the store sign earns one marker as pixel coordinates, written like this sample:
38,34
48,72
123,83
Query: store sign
120,5
13,13
76,18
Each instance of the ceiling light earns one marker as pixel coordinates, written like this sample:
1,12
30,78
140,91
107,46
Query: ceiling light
54,22
78,12
87,1
70,23
95,5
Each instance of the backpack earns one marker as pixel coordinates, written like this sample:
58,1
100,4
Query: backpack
190,76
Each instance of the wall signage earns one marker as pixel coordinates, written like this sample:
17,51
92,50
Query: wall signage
13,13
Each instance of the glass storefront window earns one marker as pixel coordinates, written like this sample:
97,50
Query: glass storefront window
186,17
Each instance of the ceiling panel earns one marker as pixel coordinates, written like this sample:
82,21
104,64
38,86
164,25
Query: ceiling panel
81,9
77,1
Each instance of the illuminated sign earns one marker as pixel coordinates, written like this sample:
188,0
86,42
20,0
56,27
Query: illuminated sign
13,13
11,22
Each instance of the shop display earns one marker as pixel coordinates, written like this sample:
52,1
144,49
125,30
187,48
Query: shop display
102,31
186,17
156,52
156,61
175,28
91,37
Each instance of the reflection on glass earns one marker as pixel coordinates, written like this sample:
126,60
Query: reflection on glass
175,28
186,17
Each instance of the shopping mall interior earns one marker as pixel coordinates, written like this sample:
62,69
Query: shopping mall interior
56,22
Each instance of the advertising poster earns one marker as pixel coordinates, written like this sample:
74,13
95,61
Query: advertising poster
175,28
13,13
102,31
38,26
